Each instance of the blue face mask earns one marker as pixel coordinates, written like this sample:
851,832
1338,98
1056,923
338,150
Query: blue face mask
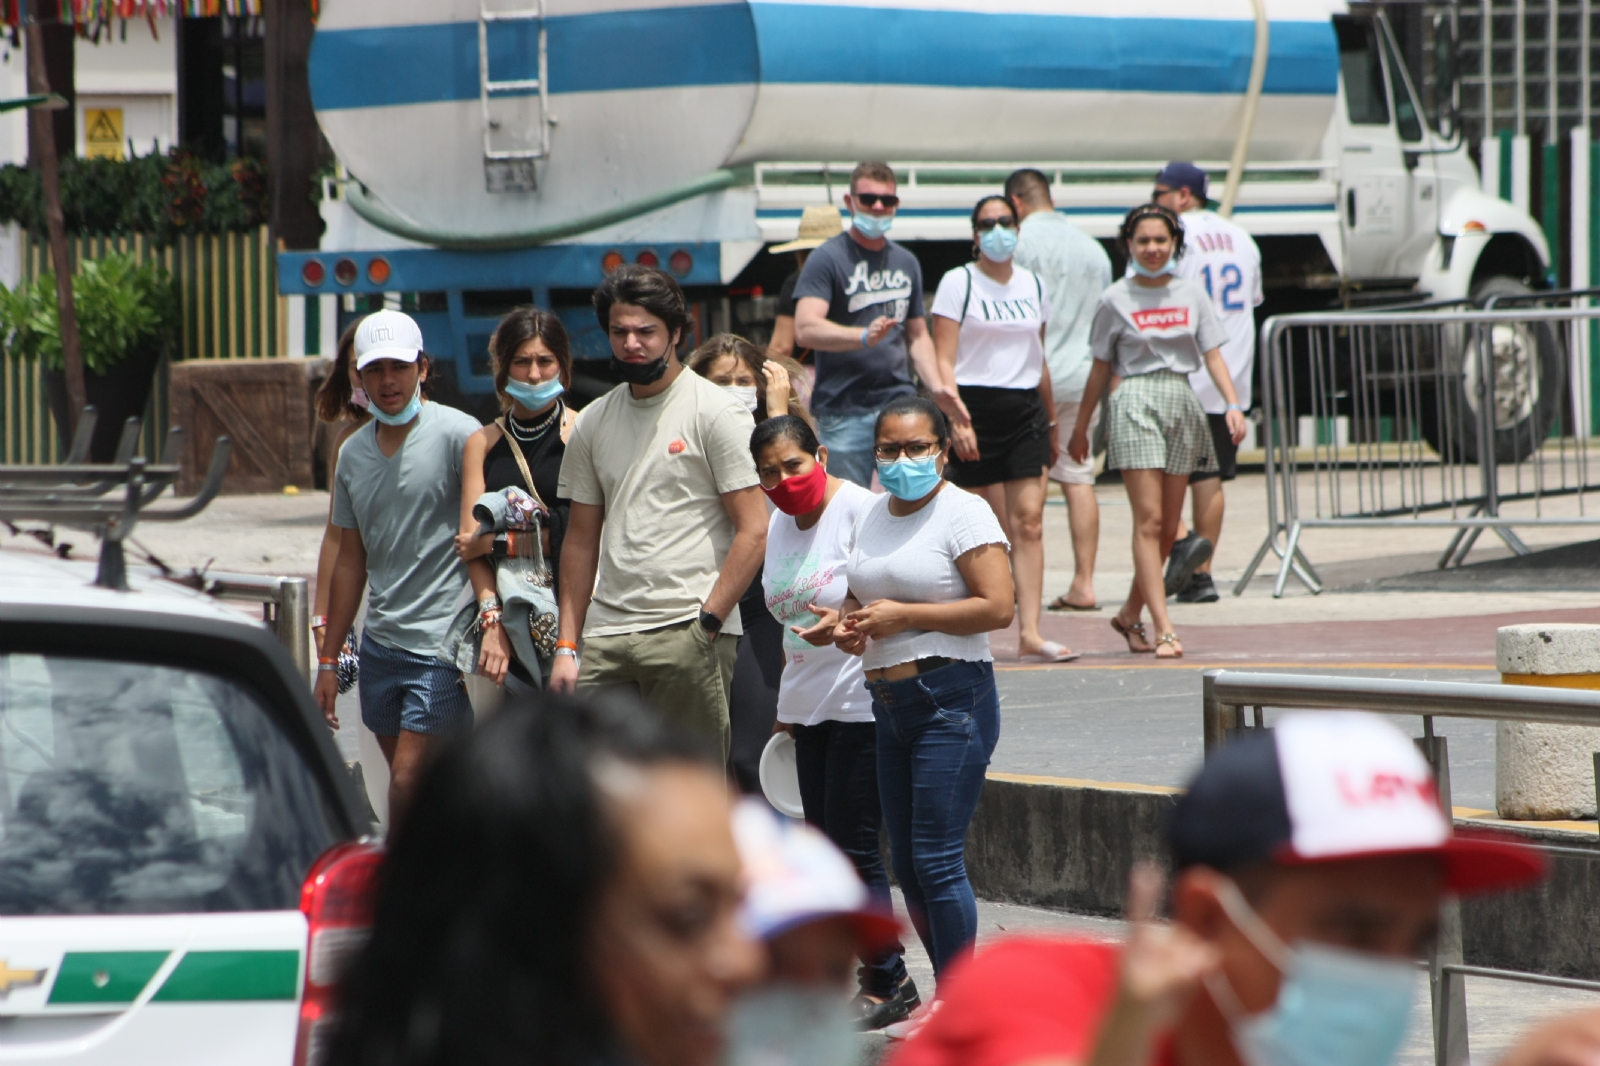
871,226
998,244
407,413
534,396
1144,271
910,479
1334,1006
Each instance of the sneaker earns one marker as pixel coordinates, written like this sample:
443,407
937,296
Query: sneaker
1200,589
1188,553
908,1028
872,1014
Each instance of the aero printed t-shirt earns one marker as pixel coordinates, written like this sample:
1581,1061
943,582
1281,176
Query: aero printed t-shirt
1224,259
407,508
861,285
659,467
1020,1000
1075,270
1140,330
913,560
806,566
999,345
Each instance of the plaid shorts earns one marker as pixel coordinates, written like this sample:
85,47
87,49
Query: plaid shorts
417,693
1157,423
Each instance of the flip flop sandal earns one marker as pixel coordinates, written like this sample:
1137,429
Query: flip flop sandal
1049,652
1170,639
1128,632
1061,603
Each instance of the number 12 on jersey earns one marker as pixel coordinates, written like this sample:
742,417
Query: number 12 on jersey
1232,279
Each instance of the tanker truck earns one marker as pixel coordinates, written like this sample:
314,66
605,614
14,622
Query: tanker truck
497,155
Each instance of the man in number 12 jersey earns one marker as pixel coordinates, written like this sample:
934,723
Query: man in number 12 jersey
1221,256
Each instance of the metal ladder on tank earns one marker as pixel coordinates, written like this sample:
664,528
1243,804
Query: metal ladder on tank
511,169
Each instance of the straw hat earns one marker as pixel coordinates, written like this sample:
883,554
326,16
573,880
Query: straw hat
817,224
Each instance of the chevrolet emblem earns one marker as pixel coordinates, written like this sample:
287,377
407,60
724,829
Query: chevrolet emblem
10,978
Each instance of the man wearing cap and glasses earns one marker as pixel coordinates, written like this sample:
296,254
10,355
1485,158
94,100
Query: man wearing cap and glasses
859,307
1310,864
1224,258
397,502
818,224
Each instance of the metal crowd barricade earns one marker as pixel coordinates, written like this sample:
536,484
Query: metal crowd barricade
1426,417
1227,693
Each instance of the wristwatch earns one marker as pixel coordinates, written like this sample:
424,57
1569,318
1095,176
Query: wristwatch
710,622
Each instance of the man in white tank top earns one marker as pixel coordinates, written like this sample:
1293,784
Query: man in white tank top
1224,259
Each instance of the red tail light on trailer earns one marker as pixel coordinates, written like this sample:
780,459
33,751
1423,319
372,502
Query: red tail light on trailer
337,900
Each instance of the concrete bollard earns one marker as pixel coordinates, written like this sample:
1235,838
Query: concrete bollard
1546,772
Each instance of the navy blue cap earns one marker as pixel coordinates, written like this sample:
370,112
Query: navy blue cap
1233,813
1183,176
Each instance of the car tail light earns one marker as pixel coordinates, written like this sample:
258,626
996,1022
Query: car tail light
337,900
610,261
344,272
378,270
313,273
647,258
681,263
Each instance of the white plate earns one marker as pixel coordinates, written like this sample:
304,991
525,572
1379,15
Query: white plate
780,776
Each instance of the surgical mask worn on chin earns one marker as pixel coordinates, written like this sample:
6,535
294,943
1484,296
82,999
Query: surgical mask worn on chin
998,244
909,479
639,373
1144,271
745,394
790,1025
534,395
358,396
407,413
1335,1007
871,226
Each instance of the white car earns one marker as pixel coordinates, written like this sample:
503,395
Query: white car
181,869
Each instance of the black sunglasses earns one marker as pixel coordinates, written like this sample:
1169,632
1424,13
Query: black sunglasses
873,199
984,225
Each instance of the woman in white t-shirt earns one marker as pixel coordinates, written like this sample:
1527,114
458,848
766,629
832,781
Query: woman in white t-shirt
822,697
929,580
988,331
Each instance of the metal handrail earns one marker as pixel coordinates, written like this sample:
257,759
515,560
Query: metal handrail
286,605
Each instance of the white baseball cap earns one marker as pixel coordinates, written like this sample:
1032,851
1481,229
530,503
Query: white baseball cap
387,335
1333,785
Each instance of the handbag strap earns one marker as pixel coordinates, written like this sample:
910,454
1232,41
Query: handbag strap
522,460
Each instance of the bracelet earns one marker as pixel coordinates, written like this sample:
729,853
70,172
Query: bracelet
566,649
323,660
567,644
327,668
864,336
1233,407
489,617
1053,425
319,621
489,602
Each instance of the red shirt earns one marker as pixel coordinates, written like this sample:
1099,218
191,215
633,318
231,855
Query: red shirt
1020,1000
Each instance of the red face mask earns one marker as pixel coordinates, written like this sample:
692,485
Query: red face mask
800,495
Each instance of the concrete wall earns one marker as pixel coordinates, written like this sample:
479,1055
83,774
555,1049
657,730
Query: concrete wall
1071,845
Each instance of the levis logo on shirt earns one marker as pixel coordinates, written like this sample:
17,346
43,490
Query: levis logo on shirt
1162,318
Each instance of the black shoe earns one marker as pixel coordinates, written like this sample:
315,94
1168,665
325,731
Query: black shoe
1187,554
874,1015
1200,589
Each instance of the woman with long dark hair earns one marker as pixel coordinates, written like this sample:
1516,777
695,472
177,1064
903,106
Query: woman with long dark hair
341,405
564,891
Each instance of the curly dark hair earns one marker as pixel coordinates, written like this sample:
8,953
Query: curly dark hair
1130,223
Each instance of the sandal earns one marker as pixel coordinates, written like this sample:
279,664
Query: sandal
1171,641
1061,603
1049,652
1128,631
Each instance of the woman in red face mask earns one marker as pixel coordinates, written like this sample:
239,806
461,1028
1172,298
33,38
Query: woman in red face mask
822,698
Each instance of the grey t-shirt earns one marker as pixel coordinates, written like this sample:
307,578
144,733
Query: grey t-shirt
860,285
1139,330
1075,271
407,508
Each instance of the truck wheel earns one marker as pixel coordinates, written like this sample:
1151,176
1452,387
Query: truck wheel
1528,378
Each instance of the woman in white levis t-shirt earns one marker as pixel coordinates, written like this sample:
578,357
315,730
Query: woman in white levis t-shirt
822,698
988,331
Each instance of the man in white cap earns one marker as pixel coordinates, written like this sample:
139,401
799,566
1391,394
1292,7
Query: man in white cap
1309,864
818,224
397,502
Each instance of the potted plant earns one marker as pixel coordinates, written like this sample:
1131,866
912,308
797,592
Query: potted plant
127,319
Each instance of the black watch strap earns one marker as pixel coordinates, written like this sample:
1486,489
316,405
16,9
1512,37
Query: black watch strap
710,622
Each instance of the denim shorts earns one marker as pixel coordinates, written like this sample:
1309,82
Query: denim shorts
416,693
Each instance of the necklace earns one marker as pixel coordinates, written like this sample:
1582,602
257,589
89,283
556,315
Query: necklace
529,434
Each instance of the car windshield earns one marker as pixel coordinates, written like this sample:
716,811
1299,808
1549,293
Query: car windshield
134,788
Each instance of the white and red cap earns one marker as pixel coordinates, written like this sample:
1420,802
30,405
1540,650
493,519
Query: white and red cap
794,875
387,335
1327,786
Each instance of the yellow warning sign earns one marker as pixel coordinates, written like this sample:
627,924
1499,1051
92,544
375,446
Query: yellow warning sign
102,132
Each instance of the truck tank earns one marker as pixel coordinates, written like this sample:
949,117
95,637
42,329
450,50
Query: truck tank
561,111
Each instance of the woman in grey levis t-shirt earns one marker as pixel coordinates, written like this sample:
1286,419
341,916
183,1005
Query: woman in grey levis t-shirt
1153,329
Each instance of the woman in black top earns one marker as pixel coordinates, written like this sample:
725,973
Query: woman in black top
532,363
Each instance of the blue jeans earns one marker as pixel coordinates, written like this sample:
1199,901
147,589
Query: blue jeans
838,769
936,732
849,440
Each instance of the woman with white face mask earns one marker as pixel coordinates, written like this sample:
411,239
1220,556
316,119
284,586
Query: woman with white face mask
768,386
988,333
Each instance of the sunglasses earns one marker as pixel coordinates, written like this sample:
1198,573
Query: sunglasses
873,199
984,225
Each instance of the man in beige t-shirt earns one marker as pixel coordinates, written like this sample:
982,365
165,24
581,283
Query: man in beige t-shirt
667,512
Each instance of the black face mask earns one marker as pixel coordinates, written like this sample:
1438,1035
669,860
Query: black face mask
639,373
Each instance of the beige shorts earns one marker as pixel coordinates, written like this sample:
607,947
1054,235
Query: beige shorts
1065,470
